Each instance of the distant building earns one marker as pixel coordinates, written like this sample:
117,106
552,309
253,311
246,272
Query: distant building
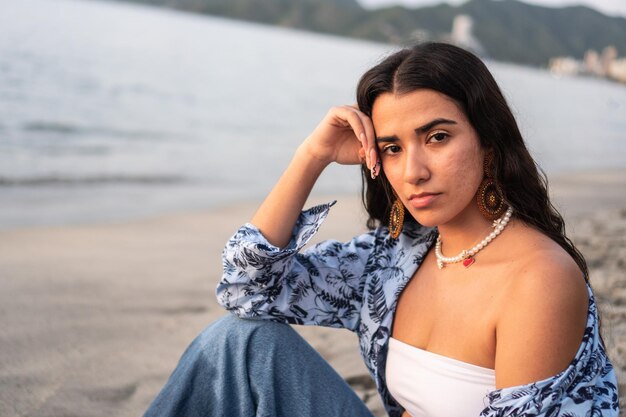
605,65
591,63
617,70
463,36
609,55
564,65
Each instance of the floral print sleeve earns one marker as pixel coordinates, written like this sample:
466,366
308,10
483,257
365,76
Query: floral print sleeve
320,286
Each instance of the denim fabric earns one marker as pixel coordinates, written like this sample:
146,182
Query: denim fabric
246,368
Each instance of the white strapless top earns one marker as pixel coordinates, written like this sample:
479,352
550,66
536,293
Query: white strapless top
430,385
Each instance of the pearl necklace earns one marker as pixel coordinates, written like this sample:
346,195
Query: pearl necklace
467,256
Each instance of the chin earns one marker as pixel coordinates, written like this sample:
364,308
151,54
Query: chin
427,219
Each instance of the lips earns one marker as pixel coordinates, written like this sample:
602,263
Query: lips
422,200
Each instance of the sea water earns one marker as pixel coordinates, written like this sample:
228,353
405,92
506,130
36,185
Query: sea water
113,111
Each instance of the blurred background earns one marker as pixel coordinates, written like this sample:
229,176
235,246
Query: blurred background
136,136
113,110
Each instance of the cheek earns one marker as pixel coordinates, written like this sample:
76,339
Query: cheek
393,171
464,168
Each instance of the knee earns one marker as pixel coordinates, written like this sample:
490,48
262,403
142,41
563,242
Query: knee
233,331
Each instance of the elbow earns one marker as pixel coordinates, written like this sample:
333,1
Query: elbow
233,298
224,294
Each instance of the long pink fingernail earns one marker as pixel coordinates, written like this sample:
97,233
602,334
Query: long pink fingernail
368,157
374,171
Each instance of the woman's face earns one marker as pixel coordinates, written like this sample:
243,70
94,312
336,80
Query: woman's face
430,153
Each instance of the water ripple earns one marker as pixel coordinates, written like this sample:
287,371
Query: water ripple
60,181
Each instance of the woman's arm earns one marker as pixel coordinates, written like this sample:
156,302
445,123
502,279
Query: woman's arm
537,339
320,286
345,136
266,275
542,326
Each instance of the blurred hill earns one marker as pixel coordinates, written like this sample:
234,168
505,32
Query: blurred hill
506,30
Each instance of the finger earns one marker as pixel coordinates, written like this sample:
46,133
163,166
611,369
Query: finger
367,124
370,139
363,139
362,155
356,124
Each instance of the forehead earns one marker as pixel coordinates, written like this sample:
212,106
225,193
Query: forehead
416,107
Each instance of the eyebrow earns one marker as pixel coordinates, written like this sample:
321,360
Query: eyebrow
419,130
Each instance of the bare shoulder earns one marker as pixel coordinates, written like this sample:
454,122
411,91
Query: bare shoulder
541,326
544,268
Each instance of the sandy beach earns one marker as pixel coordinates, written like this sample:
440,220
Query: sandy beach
94,318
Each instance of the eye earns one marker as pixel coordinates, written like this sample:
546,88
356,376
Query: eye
391,149
437,137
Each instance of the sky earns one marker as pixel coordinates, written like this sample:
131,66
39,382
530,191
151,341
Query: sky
610,7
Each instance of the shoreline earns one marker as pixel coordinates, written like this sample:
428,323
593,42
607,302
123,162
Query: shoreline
573,193
95,316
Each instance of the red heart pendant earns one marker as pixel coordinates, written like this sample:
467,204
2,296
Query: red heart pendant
467,262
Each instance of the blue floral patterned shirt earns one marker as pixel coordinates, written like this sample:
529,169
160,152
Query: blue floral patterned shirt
356,285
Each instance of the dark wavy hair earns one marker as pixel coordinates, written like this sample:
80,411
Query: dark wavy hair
463,77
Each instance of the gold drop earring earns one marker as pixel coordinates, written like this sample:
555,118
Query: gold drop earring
396,218
489,196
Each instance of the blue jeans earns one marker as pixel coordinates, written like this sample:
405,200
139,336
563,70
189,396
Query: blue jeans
249,368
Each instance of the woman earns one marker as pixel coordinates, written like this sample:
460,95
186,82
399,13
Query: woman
469,301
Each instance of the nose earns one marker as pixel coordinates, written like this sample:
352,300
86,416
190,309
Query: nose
416,166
